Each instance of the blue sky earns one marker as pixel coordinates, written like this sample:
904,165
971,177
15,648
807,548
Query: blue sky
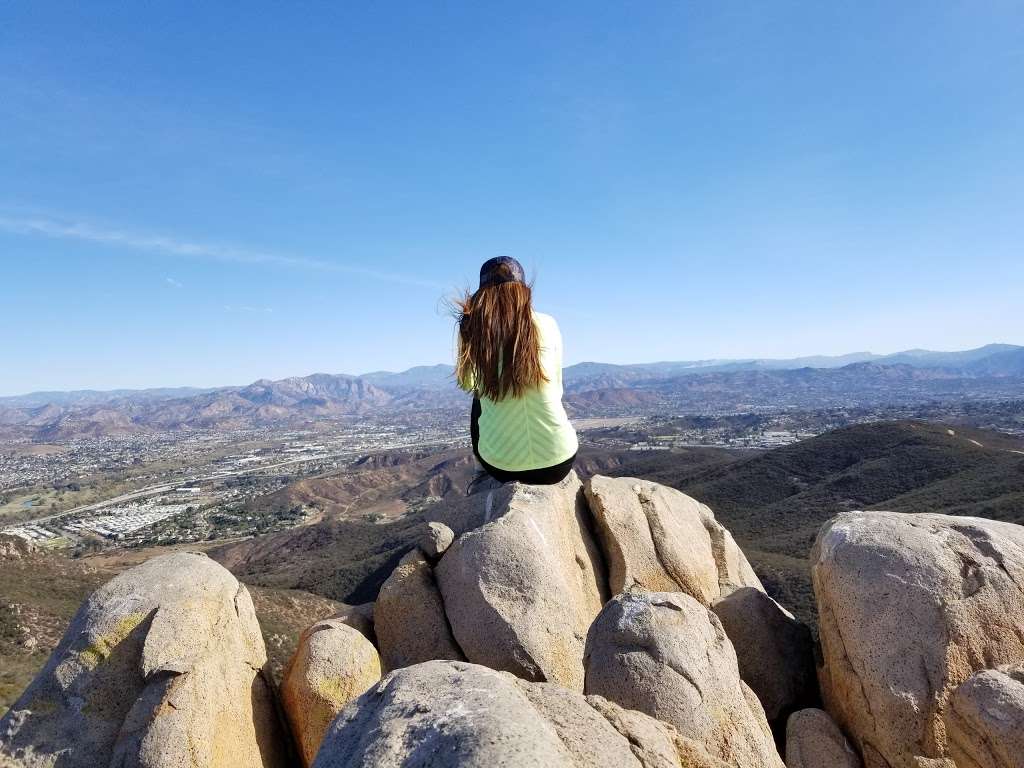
191,194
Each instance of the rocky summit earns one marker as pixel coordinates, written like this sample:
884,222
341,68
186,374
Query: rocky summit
609,623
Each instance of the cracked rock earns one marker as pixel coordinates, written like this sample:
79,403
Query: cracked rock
775,651
159,667
479,718
911,606
657,539
409,616
521,590
985,719
813,740
666,655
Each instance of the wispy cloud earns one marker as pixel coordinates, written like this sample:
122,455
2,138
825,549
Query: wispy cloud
173,283
247,309
173,246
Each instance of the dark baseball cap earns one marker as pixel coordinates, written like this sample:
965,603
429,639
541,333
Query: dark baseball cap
501,269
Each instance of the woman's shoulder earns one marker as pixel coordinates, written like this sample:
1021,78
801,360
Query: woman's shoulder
544,319
550,335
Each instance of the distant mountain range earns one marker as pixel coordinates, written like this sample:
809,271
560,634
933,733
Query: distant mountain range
1008,359
96,396
858,379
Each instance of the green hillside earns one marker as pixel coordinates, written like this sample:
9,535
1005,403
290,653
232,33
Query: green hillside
775,502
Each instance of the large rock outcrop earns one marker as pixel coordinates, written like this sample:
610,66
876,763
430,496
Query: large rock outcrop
813,740
985,719
409,616
657,539
521,590
666,655
334,663
160,667
458,715
911,606
775,651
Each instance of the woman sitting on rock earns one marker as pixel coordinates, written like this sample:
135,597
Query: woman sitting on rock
510,358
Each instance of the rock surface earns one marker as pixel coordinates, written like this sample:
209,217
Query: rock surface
666,655
454,714
521,590
652,740
912,605
985,719
775,651
334,663
409,616
359,617
160,667
435,540
657,539
922,631
813,740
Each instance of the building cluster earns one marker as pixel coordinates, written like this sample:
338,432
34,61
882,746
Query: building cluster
125,519
26,466
171,473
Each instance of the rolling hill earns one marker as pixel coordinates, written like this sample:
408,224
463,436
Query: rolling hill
775,502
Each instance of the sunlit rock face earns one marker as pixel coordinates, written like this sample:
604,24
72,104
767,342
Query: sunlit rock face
521,590
911,606
333,664
161,666
666,655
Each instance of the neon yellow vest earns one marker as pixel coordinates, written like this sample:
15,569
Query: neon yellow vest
531,431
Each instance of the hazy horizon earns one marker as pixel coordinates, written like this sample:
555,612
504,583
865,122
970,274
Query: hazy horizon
204,197
246,382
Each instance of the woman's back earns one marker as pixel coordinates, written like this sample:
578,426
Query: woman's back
532,430
510,358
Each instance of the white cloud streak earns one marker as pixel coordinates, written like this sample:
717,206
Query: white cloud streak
172,246
248,309
173,283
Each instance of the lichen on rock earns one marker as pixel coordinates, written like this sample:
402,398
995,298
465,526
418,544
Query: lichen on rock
161,665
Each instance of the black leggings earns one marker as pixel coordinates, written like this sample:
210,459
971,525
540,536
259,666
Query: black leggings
543,476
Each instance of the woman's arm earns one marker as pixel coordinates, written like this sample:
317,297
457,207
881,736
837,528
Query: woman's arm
474,426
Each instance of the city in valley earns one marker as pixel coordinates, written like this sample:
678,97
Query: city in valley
195,485
169,487
188,486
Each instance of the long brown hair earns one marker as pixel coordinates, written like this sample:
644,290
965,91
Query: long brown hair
499,347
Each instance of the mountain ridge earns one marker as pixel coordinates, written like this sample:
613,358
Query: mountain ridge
591,389
432,375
